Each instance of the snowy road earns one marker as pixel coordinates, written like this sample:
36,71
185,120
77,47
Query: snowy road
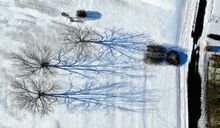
186,42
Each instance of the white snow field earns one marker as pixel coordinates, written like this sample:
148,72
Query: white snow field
24,21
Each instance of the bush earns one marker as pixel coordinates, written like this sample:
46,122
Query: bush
81,13
156,48
172,58
154,58
156,54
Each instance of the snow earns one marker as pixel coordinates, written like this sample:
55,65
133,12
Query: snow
27,20
213,25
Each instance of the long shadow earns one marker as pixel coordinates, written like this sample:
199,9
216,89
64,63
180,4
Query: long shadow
194,79
214,36
183,58
119,96
93,15
194,90
214,49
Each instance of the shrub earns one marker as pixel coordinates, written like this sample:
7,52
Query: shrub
154,58
156,48
156,54
81,13
172,58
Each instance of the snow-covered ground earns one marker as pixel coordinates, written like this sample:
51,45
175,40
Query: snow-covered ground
23,21
213,17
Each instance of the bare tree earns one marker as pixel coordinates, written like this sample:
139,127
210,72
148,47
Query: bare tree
41,59
33,59
38,96
29,95
113,42
80,41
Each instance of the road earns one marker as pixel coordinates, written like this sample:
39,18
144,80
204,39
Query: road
200,17
186,42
